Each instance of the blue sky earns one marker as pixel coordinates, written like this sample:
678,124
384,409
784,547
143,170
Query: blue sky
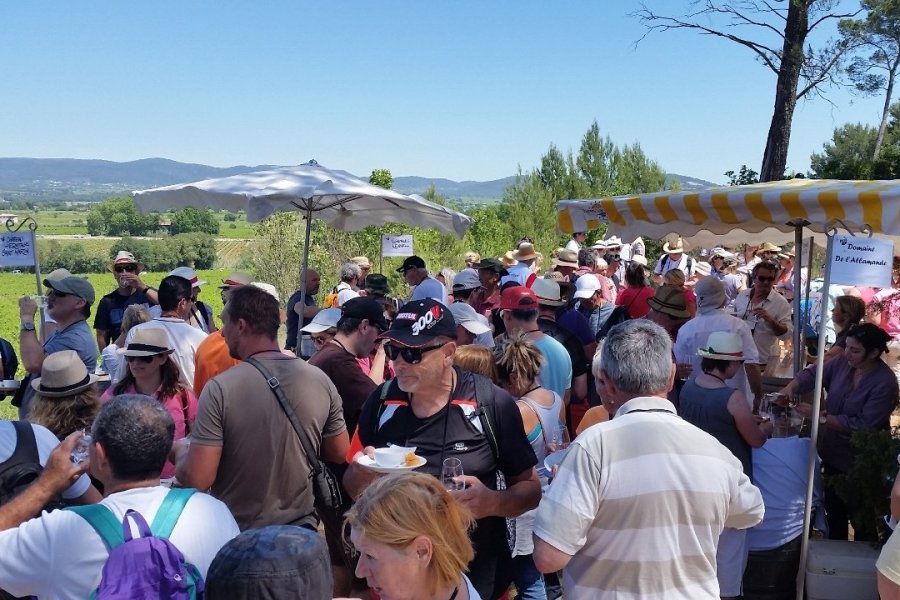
462,90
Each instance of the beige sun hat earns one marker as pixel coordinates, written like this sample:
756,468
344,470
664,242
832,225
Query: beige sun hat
63,374
525,251
509,259
362,261
639,259
676,247
768,247
148,341
566,258
723,345
235,279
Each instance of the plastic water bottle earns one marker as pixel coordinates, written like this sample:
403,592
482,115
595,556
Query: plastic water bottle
81,452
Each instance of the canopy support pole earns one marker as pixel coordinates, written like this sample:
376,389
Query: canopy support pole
816,408
303,278
797,342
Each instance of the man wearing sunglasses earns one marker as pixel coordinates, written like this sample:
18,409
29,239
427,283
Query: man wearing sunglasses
447,413
766,311
129,290
69,301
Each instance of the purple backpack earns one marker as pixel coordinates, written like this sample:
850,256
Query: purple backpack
148,567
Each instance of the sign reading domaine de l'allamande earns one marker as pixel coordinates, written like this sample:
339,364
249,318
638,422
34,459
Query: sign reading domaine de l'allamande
861,261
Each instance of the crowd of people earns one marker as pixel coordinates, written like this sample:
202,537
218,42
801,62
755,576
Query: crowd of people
590,424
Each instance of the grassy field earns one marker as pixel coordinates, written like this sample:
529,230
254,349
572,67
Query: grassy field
74,222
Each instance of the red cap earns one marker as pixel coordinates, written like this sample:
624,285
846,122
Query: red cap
518,297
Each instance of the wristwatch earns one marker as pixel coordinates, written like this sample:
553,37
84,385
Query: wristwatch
27,327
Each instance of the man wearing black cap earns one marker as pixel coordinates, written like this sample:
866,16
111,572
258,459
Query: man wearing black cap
362,321
414,272
69,303
450,413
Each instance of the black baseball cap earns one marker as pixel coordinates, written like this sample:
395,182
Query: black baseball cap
411,262
365,307
419,322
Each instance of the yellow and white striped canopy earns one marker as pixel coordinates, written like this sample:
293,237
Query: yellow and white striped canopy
741,211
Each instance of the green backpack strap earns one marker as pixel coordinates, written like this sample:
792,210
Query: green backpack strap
168,513
104,522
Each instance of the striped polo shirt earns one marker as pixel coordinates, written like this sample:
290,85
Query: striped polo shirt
639,502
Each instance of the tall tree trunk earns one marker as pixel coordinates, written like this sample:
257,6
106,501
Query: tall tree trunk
779,138
886,111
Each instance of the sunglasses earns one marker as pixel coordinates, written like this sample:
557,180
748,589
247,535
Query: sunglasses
412,356
123,268
762,278
57,293
144,359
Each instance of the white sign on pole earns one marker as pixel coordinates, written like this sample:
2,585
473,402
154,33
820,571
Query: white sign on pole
397,245
861,261
16,250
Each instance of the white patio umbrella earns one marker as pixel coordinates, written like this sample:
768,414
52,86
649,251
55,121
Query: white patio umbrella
337,198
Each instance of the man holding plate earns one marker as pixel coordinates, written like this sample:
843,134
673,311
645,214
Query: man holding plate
451,415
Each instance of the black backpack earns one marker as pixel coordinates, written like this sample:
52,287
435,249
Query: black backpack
23,467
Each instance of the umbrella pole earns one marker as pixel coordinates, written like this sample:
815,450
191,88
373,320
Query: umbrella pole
814,433
303,278
799,351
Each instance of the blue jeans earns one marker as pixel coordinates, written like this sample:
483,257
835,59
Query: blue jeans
529,581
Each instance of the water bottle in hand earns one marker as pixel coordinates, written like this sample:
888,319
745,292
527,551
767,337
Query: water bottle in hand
81,452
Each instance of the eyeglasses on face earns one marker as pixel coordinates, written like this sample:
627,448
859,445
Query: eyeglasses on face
57,293
130,268
144,359
411,356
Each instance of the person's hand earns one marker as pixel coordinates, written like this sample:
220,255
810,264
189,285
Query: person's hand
357,478
766,426
179,449
476,497
60,472
130,279
27,308
762,314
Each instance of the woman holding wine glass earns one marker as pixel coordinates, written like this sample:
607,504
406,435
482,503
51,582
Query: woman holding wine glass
724,412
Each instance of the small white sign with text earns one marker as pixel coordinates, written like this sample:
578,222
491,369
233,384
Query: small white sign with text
861,261
16,250
397,245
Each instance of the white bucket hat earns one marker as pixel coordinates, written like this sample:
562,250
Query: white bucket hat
723,345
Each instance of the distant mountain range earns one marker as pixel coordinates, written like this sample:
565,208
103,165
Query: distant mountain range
72,179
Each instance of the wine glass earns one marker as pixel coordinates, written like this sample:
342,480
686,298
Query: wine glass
450,471
560,439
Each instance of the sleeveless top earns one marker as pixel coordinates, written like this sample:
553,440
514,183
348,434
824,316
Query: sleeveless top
548,424
708,410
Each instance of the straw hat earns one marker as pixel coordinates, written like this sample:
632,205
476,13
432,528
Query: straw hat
639,259
525,252
566,258
362,261
235,279
147,341
670,301
768,247
703,269
723,345
547,292
676,247
63,374
124,257
509,259
614,242
599,245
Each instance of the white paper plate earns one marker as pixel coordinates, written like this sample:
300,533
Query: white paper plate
554,458
365,461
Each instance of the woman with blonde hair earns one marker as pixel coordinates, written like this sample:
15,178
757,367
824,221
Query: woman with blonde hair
477,359
543,416
413,539
65,395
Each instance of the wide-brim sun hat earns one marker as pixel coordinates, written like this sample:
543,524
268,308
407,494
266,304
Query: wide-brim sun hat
670,301
525,251
723,345
147,341
566,258
639,259
187,273
124,257
768,247
63,374
676,247
235,279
